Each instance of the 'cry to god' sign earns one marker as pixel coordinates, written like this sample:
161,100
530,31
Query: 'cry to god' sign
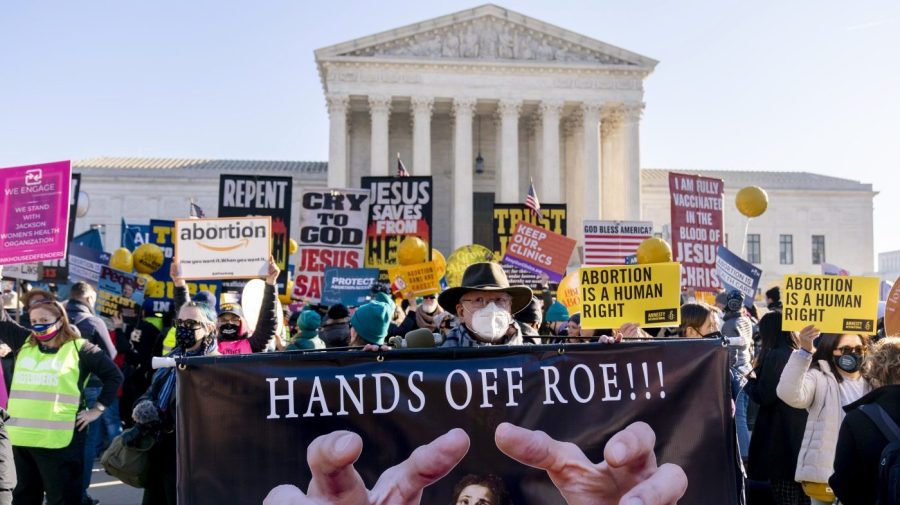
833,304
649,295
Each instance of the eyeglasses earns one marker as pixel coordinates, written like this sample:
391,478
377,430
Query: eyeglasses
851,350
480,302
429,297
188,323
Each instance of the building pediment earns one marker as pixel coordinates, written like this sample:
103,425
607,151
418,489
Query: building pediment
490,34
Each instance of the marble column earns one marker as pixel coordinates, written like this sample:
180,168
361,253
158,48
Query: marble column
463,206
574,194
613,199
380,111
550,190
338,168
421,114
631,159
591,159
508,178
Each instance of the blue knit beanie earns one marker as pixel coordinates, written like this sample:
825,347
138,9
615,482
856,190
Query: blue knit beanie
371,321
309,322
557,313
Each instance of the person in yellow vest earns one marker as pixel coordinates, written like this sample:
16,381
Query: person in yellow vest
154,412
46,406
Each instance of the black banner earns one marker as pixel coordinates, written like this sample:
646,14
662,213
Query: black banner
553,217
260,195
58,271
270,407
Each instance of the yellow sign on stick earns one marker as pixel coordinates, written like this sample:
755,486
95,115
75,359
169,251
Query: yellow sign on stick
832,303
420,279
648,295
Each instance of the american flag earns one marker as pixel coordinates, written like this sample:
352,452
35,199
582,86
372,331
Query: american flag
611,242
401,170
196,211
531,200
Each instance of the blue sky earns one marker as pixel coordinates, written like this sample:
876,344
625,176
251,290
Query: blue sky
766,85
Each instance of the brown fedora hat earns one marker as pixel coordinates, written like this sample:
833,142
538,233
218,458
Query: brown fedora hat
485,277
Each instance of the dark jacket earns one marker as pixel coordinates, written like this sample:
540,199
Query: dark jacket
92,329
778,432
336,332
266,323
859,448
10,333
407,325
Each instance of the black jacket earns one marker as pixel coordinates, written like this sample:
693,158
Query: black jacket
92,329
11,334
859,448
336,332
778,432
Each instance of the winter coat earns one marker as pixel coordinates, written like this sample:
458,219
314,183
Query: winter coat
738,329
92,329
336,332
859,448
816,390
778,432
266,322
303,344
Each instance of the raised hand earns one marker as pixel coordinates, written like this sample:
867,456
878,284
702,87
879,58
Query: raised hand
272,274
175,273
336,482
807,336
627,475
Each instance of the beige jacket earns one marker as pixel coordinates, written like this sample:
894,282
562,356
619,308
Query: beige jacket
815,390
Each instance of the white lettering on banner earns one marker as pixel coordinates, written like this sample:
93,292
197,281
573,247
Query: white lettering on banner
325,396
254,194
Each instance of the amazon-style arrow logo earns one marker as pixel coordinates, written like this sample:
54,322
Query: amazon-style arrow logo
242,243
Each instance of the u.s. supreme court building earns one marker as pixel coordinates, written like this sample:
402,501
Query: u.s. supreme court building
485,100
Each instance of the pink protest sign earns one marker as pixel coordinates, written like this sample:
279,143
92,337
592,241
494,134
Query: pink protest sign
34,212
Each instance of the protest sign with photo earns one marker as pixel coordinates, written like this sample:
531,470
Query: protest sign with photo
406,399
34,212
398,207
349,286
85,263
223,248
506,216
161,294
612,242
648,295
261,195
697,225
833,304
539,251
332,234
735,273
119,293
418,280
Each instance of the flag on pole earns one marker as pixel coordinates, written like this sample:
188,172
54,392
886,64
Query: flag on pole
196,211
401,170
531,201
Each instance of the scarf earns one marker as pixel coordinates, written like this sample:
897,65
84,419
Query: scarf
426,320
168,387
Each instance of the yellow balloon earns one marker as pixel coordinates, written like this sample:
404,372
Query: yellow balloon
569,291
286,298
440,262
148,258
752,201
292,246
122,259
654,250
462,258
412,251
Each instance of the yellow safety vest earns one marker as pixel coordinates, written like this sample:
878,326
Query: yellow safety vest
44,397
169,342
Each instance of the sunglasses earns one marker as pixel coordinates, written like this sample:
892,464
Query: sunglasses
429,297
851,350
188,323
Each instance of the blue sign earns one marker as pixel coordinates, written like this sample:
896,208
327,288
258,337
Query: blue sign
85,263
631,259
735,273
349,286
134,235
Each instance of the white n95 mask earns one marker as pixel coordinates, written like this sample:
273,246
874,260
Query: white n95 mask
491,322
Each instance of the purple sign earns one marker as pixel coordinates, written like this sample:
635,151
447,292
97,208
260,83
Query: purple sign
34,212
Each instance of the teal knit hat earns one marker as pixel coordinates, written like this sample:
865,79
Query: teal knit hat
557,313
385,299
309,322
371,321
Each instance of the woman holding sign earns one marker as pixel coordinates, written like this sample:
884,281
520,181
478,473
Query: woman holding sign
822,379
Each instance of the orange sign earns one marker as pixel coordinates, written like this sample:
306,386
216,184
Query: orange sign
539,250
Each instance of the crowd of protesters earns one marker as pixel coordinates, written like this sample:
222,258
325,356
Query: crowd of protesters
804,403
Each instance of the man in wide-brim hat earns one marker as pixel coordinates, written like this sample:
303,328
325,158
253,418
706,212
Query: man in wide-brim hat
484,304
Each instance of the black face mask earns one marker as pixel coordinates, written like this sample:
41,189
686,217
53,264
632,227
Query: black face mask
186,338
229,331
850,363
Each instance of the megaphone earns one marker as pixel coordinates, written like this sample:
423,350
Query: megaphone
417,339
162,362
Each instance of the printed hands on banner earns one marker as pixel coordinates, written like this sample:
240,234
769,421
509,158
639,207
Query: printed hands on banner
629,470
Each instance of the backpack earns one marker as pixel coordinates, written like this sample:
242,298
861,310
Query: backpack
128,457
889,464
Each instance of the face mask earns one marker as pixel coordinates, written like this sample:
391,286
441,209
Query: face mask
491,322
45,332
186,338
850,363
229,331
